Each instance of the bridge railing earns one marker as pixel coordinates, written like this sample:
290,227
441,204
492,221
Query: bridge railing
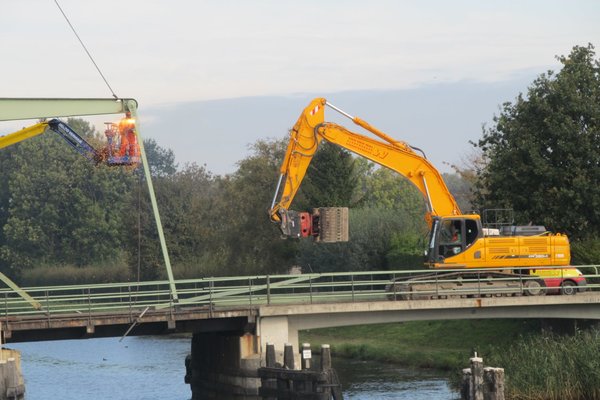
310,288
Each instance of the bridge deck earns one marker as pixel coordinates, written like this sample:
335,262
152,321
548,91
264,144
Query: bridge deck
234,304
115,324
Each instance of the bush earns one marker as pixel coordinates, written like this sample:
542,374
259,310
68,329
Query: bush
373,233
406,251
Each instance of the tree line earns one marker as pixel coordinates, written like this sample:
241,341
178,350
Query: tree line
57,211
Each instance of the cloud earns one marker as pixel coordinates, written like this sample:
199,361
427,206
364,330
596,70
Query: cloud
439,118
187,50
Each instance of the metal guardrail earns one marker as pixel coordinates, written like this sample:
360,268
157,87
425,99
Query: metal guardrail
246,291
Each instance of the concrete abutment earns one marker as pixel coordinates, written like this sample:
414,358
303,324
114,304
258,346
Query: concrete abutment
225,365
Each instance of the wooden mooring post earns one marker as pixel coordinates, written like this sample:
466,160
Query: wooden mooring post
479,383
284,382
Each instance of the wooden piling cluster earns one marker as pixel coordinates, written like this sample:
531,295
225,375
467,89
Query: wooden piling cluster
280,382
482,383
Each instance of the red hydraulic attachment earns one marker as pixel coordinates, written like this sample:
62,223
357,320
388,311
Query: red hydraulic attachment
326,224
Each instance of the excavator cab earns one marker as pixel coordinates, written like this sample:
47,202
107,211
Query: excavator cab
451,236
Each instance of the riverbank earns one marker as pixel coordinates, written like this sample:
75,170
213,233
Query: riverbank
543,360
443,345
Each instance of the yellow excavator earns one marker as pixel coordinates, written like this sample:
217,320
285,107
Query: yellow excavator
456,240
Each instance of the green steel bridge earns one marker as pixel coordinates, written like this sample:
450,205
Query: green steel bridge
235,304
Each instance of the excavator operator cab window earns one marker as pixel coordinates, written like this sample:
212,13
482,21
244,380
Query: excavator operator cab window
456,235
451,238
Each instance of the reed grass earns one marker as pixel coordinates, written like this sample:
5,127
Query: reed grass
551,367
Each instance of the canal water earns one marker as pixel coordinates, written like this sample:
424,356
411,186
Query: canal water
151,368
366,380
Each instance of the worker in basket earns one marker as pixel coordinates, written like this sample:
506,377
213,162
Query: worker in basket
129,146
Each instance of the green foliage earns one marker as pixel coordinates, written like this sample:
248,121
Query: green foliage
190,206
386,224
254,241
543,153
161,161
330,180
585,251
383,188
371,233
461,189
60,205
7,166
144,255
406,251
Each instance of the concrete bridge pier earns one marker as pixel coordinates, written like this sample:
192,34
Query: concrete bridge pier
224,365
278,330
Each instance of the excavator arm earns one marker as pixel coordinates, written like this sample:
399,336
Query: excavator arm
311,129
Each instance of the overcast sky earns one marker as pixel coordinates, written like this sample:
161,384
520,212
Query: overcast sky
171,52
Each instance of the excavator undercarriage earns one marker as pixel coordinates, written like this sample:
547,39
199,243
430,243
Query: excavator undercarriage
463,284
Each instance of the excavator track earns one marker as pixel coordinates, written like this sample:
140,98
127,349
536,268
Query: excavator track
464,285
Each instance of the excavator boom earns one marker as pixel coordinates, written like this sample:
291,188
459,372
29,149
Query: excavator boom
311,129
